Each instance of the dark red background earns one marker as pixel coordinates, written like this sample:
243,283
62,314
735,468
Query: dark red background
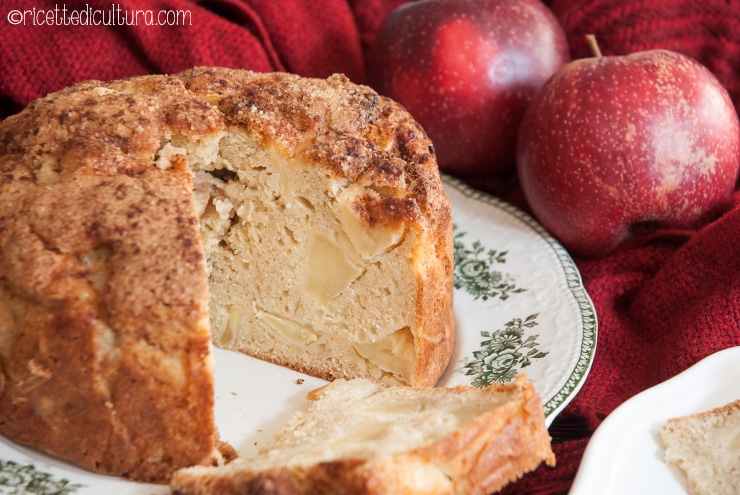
664,301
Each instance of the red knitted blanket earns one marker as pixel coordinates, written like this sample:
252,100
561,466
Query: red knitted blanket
664,301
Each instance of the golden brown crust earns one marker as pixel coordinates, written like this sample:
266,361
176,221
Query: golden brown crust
703,416
105,344
104,339
361,136
498,447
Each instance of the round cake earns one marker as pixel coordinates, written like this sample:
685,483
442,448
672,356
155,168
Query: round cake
300,221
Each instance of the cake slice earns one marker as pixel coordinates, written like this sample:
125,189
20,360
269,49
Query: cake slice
360,438
706,447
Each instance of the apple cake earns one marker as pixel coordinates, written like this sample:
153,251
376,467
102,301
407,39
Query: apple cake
300,221
706,447
362,439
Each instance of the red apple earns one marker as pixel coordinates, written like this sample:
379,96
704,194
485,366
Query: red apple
611,145
466,70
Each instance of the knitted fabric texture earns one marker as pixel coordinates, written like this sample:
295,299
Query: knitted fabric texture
706,30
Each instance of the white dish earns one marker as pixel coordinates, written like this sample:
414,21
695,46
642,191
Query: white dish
625,454
518,299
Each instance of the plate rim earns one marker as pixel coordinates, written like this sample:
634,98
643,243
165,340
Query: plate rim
574,282
588,469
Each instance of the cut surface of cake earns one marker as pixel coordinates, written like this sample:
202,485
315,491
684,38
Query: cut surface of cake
362,438
301,221
706,447
327,232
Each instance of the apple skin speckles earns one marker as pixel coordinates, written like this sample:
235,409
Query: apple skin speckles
611,144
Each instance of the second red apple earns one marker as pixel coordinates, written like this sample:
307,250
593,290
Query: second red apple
616,145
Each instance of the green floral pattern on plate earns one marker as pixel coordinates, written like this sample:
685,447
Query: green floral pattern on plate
22,479
503,353
468,200
474,270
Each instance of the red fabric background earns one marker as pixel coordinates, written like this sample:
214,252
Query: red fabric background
663,301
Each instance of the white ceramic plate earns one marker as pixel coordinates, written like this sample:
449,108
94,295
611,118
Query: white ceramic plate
519,306
625,454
